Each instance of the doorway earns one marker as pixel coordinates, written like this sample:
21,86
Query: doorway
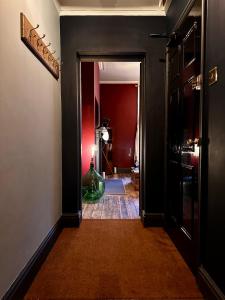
110,96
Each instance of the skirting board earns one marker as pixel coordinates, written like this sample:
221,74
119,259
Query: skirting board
23,281
152,219
208,286
123,170
71,220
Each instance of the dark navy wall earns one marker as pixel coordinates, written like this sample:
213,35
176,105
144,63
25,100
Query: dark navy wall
107,35
174,12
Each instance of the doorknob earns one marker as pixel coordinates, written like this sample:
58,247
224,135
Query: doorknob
196,82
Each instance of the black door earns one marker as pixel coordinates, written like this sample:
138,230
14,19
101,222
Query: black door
183,58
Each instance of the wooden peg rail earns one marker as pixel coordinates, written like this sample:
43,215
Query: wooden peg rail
35,43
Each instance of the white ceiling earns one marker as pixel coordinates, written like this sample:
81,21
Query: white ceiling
111,7
120,72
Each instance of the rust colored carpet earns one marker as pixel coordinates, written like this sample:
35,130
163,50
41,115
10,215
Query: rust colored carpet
113,259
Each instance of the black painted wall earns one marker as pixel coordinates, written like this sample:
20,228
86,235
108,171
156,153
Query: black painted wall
104,35
213,203
174,12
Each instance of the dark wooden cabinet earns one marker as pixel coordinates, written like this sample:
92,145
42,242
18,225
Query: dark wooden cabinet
183,155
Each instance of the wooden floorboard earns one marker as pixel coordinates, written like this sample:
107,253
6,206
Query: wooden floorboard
115,206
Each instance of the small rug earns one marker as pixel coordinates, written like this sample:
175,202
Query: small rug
114,187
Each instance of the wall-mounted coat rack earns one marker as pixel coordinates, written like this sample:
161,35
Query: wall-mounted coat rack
35,43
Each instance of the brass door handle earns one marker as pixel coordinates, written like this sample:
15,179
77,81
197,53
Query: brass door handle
196,82
191,142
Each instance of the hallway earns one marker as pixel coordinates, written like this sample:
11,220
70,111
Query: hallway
179,46
114,259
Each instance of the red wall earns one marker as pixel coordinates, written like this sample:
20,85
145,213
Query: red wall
90,90
119,104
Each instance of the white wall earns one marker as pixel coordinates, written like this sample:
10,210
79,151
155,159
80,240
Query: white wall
30,138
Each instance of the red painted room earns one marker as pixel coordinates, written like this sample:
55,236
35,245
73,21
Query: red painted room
110,139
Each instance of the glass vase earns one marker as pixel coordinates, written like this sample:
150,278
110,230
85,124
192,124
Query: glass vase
93,185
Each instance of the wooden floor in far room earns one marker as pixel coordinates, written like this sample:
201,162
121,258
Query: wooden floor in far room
115,206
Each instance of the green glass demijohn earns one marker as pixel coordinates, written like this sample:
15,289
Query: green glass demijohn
93,185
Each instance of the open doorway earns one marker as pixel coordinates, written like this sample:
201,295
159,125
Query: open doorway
110,93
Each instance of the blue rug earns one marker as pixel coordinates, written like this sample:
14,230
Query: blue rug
114,187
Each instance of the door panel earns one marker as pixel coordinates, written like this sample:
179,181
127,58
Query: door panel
187,200
183,139
174,192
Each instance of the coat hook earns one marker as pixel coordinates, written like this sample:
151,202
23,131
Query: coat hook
40,38
50,57
55,64
30,34
45,47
